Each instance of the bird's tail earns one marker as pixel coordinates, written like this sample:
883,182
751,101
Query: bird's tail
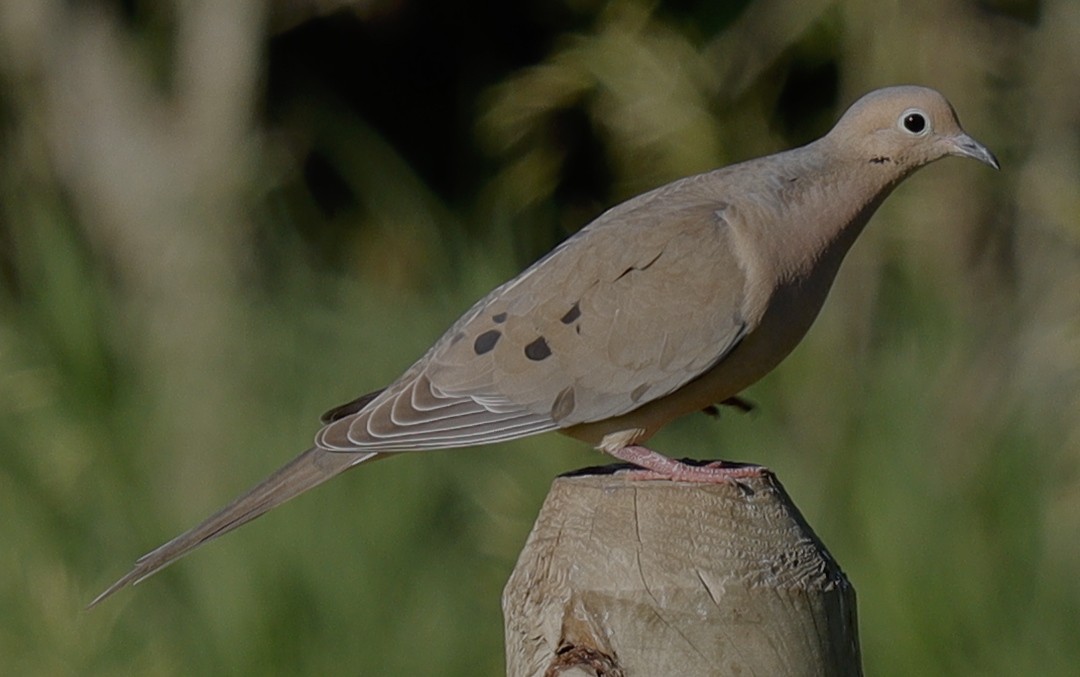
308,470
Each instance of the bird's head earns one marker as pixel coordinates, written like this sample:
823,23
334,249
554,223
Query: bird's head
899,129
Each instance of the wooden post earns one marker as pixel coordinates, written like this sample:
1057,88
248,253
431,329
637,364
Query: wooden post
641,578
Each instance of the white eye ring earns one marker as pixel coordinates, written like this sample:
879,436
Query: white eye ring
914,121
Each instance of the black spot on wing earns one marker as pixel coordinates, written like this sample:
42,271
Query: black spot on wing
499,318
485,342
646,266
572,314
538,350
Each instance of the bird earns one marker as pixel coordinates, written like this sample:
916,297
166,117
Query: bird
664,305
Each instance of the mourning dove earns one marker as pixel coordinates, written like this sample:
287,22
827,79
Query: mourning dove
664,305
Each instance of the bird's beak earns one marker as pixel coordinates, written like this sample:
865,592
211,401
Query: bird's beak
965,146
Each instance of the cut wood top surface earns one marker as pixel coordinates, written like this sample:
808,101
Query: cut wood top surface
671,578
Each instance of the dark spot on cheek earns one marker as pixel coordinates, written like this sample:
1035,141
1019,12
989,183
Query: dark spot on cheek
571,315
499,318
486,341
538,350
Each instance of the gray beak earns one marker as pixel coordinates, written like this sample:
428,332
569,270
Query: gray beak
965,146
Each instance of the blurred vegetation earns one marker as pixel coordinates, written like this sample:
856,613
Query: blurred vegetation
218,220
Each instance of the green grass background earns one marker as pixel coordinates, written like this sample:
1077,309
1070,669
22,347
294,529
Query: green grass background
180,302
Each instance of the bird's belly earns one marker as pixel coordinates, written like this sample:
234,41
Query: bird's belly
790,313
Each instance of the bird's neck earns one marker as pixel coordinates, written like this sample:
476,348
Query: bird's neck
838,196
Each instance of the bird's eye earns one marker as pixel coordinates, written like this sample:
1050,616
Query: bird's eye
914,122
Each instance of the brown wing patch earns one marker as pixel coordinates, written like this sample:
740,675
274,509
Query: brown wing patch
640,304
636,305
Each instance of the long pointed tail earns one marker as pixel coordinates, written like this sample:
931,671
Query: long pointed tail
308,470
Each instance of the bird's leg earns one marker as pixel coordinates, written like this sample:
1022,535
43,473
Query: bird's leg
656,466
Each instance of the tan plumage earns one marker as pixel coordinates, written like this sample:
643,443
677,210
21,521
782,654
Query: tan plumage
665,304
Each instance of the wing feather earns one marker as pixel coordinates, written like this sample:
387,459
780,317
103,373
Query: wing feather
640,302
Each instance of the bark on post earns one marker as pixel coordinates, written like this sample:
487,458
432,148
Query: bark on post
655,578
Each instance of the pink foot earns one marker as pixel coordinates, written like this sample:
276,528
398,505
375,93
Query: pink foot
656,466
